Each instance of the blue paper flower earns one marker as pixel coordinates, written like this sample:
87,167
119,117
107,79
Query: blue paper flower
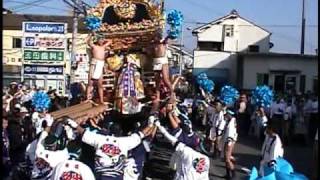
174,19
228,95
205,83
41,101
283,171
92,22
262,96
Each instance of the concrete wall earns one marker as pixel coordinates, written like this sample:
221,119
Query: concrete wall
11,55
206,60
245,34
249,34
212,34
264,64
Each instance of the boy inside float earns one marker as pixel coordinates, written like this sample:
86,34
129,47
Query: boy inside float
98,49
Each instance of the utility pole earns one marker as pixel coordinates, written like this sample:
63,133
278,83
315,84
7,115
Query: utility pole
74,35
79,7
303,27
181,53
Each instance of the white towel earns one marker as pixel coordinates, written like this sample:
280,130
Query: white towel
98,69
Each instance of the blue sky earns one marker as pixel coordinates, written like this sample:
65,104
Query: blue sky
281,17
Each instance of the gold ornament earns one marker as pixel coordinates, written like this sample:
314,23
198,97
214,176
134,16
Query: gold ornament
125,10
114,62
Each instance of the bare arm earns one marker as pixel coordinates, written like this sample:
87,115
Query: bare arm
154,131
89,40
173,140
173,121
108,43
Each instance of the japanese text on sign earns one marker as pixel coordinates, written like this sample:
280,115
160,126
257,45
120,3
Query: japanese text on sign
39,69
43,55
44,42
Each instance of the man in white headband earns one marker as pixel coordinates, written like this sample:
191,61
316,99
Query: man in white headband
97,64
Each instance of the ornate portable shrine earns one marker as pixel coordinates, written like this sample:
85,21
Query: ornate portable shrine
130,24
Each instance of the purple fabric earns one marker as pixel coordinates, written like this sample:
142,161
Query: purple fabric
190,141
5,149
128,81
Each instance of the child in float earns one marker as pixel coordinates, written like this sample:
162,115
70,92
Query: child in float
97,64
229,139
129,89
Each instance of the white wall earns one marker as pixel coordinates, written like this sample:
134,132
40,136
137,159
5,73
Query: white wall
249,34
217,60
212,34
245,34
254,65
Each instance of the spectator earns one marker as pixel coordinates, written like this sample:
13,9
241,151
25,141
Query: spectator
6,145
313,121
243,116
288,120
276,114
315,174
16,137
271,148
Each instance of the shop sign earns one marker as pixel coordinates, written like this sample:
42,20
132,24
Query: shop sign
44,27
44,42
43,55
43,69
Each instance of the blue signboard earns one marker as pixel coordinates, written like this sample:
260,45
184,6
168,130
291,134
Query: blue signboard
43,69
44,27
30,42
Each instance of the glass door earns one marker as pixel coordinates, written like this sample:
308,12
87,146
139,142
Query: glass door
279,83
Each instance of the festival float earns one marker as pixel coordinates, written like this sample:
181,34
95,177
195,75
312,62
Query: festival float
131,26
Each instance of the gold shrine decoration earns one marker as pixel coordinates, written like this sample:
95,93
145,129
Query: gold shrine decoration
124,26
154,10
125,10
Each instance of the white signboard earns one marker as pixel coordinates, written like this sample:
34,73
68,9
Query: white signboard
81,73
44,41
44,27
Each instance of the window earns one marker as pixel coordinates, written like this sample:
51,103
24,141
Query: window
228,30
253,48
19,60
16,42
13,60
262,79
69,44
302,83
211,46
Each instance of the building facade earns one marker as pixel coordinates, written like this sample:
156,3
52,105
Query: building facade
220,40
233,50
282,72
20,61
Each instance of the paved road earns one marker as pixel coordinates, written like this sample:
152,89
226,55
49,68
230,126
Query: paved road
247,153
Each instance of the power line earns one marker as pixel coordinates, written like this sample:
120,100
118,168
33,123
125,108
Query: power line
266,25
26,5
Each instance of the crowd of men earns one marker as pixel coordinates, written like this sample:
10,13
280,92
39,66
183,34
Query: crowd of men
106,147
